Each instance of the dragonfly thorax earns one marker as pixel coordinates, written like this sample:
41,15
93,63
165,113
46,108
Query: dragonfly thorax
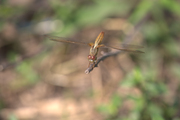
93,51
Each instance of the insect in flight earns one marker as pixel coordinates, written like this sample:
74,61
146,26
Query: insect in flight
92,57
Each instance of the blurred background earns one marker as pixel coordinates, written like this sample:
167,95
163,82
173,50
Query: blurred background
45,80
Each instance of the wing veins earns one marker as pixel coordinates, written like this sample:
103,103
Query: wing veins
66,40
124,49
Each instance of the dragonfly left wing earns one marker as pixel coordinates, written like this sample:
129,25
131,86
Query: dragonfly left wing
66,40
122,49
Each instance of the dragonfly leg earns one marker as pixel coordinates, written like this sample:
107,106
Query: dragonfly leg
91,44
102,45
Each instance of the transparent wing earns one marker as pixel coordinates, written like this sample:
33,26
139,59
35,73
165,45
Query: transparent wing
129,46
66,40
124,48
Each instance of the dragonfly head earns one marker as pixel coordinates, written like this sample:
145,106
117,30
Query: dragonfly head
91,58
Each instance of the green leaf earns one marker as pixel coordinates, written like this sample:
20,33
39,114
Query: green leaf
172,5
101,9
155,112
26,70
141,10
12,117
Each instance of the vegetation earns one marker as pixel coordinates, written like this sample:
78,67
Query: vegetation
41,79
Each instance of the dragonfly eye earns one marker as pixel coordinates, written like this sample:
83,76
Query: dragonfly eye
89,56
93,57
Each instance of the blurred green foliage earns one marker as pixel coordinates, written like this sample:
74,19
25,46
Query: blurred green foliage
24,69
144,106
112,108
160,62
77,15
12,117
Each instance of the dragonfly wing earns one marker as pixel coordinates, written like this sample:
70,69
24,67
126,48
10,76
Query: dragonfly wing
123,49
66,40
129,46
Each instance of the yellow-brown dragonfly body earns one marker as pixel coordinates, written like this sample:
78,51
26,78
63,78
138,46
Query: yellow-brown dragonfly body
92,57
94,48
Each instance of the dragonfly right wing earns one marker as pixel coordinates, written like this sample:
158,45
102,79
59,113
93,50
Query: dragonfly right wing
66,40
124,48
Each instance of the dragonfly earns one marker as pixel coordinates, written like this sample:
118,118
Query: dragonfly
94,47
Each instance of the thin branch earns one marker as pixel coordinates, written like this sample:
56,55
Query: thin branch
99,59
